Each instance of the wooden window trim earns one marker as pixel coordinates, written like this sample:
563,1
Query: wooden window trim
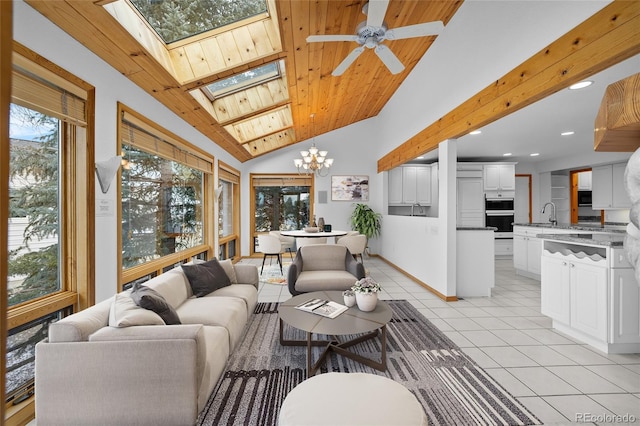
231,174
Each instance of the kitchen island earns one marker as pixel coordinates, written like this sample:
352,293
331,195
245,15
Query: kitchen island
589,289
475,263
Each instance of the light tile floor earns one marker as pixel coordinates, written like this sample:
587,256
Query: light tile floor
558,378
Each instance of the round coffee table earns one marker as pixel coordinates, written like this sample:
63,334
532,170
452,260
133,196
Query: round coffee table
353,321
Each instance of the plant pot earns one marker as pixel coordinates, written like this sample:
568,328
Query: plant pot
350,300
367,301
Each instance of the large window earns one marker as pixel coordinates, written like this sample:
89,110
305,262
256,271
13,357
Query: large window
50,223
163,202
280,203
228,194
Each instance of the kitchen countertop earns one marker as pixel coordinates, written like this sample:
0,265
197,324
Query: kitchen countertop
614,228
476,228
607,240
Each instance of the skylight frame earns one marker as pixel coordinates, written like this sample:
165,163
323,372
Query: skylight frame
205,32
212,96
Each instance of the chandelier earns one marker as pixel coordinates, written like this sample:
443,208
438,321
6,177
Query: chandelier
313,160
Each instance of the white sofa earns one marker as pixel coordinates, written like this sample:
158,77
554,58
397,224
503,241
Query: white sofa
90,372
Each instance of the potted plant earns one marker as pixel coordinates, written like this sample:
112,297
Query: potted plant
366,290
366,221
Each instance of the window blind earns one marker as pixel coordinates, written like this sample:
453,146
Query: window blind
140,135
30,91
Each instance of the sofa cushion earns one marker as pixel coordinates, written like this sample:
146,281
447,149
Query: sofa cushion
323,257
148,298
230,270
206,277
172,285
246,292
125,313
227,312
325,280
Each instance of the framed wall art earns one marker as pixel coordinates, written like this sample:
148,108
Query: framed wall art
350,188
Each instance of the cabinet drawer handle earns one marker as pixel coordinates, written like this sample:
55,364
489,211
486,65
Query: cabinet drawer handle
564,263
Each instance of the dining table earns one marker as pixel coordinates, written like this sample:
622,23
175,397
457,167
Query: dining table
301,233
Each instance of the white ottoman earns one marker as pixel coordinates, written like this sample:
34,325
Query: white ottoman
351,399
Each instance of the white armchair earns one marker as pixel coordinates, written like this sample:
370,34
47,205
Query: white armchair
355,243
269,245
287,243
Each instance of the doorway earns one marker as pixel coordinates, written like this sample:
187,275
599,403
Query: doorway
522,202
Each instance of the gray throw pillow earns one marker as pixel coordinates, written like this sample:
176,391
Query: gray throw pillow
206,277
148,298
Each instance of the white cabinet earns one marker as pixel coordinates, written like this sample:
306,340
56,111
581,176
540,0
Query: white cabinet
410,185
575,293
608,190
470,195
499,177
395,186
584,181
591,294
503,247
527,249
555,292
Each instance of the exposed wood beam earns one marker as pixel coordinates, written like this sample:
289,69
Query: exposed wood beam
608,37
617,125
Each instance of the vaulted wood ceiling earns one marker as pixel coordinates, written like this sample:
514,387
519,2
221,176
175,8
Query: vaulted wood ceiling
253,122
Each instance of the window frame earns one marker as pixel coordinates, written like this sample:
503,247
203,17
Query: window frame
233,176
195,157
77,208
255,177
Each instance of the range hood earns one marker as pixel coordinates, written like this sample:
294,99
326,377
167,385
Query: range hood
617,125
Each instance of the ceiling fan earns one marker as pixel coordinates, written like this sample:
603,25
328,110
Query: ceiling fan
372,32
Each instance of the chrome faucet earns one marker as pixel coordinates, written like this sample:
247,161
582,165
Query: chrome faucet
552,218
416,205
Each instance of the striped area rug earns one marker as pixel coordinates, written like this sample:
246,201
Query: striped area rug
451,387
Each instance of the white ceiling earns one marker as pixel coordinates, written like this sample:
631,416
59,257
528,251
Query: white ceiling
537,127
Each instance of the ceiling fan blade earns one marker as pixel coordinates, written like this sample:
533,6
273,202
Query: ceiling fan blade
376,11
330,37
389,59
418,30
351,57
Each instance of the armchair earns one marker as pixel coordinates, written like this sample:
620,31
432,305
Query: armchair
323,267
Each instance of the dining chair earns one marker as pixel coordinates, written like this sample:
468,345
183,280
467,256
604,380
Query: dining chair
270,246
287,243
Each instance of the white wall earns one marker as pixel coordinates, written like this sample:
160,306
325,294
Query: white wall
39,34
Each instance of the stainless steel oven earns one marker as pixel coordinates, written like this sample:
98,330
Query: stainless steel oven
499,213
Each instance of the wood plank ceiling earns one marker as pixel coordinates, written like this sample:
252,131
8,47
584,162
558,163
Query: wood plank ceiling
255,121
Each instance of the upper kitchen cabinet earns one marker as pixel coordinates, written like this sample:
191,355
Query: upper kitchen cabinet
584,181
500,179
607,187
410,185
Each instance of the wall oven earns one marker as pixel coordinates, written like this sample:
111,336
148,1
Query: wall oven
499,213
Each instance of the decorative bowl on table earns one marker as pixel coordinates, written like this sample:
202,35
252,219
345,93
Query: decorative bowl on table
311,229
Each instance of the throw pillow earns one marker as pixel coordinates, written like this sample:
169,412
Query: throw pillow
206,277
230,270
125,313
148,298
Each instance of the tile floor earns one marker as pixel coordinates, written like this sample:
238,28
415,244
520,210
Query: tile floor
556,377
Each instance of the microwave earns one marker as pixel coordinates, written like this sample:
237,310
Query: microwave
584,198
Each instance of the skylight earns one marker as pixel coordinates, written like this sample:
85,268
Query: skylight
243,80
175,20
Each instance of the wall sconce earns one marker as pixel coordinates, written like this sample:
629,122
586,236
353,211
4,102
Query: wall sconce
106,170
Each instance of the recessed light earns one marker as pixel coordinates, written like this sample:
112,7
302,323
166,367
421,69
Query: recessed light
475,132
535,154
420,158
581,85
569,133
507,154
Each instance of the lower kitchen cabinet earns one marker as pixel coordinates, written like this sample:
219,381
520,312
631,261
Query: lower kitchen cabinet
591,295
527,251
